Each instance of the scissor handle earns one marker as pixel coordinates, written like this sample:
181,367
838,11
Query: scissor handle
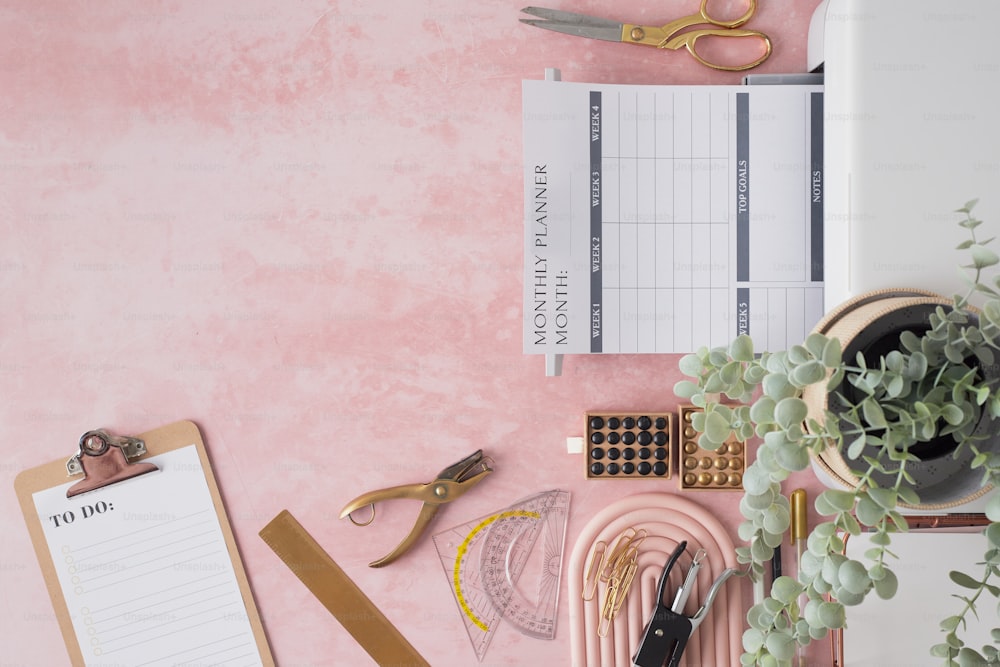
734,23
689,40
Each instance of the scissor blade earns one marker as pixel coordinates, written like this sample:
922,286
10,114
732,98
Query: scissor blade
571,23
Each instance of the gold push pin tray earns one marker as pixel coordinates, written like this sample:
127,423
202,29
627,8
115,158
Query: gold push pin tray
632,445
721,469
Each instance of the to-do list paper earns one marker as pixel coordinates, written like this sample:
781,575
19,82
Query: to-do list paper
664,218
145,572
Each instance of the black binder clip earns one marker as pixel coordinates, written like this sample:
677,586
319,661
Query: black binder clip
668,630
103,460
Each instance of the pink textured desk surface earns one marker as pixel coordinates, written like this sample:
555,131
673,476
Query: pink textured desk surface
300,225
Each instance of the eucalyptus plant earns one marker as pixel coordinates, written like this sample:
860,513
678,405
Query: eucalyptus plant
930,386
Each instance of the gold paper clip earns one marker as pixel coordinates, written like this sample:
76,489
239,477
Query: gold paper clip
593,571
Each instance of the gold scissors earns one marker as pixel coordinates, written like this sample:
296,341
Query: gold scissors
451,483
669,36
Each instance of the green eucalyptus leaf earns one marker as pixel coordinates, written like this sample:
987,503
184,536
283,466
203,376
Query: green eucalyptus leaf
869,512
810,564
992,508
776,520
909,341
917,366
887,586
717,429
786,589
849,598
983,257
884,497
823,506
895,387
967,657
790,411
953,353
755,480
838,499
826,529
731,374
850,524
873,413
832,353
798,354
908,495
792,456
777,386
816,343
760,501
718,356
832,615
808,373
952,414
741,349
881,539
685,389
811,612
714,384
691,364
780,645
950,623
760,551
762,411
993,535
754,374
857,446
753,640
940,650
853,577
963,579
773,540
831,567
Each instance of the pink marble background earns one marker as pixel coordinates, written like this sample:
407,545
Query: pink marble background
300,225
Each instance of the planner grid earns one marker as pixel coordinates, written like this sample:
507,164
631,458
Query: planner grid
666,169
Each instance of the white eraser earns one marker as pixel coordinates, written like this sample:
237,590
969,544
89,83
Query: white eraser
574,445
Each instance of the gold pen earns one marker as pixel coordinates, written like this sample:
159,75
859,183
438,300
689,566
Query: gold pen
798,530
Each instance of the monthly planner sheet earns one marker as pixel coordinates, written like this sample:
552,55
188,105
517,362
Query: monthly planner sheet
665,218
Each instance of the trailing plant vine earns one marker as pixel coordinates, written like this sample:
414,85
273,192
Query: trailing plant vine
931,386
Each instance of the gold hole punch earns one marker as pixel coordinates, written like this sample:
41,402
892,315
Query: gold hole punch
371,507
450,483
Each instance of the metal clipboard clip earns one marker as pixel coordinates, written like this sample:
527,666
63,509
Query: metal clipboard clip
103,460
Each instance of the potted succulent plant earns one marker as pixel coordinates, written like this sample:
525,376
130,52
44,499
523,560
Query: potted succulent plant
880,407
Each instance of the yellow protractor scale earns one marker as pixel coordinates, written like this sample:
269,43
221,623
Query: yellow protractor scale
498,568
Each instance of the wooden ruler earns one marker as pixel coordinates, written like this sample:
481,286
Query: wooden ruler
341,596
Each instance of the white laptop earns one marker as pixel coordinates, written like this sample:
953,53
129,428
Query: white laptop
912,132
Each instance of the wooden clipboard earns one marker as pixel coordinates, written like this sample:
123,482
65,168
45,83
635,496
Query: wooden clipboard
181,472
